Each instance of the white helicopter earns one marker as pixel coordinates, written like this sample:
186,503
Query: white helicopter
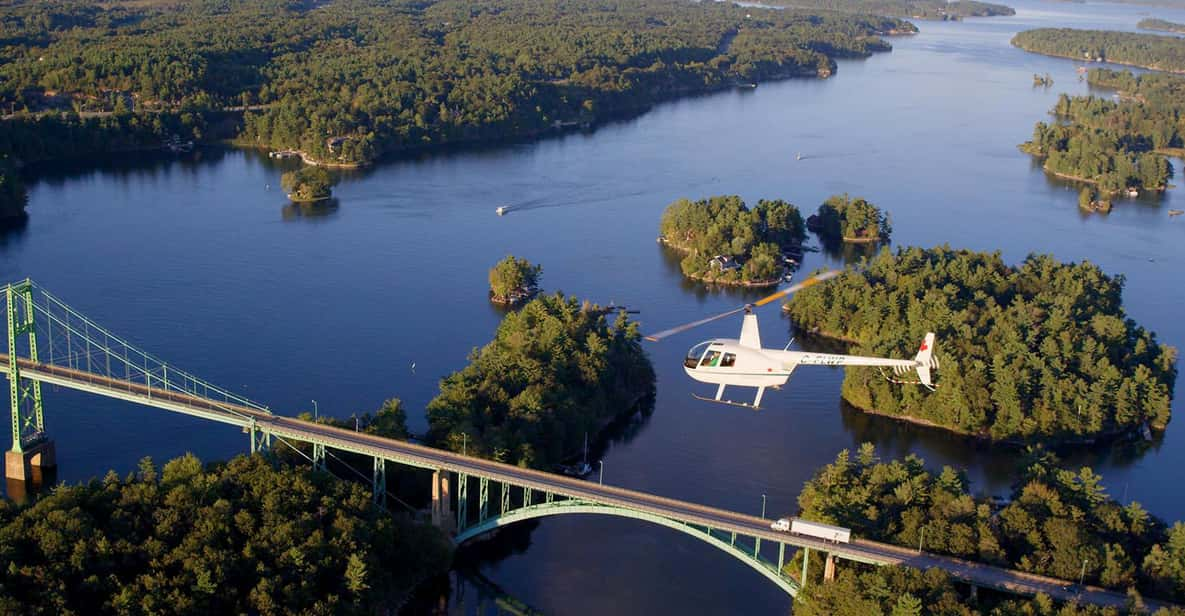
744,363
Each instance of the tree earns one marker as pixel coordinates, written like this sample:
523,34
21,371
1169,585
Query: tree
237,537
307,184
513,280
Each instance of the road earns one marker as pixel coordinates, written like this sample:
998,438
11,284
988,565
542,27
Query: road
860,550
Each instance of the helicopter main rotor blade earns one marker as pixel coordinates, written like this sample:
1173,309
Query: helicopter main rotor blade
813,280
682,328
761,302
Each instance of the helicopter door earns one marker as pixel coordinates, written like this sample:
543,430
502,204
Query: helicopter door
728,361
711,359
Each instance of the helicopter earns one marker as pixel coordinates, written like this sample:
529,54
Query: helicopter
743,362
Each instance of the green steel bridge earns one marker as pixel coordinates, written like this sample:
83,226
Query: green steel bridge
51,343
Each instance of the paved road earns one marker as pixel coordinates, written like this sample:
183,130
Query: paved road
426,457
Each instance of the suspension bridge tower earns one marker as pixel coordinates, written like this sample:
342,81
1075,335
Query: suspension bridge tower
31,446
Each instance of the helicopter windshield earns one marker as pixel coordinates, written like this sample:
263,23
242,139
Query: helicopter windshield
694,354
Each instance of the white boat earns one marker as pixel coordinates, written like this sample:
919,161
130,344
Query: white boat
502,209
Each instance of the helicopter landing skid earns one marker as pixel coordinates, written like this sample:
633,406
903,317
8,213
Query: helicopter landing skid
728,402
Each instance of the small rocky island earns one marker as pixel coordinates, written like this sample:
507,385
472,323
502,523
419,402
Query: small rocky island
307,185
514,280
845,219
726,242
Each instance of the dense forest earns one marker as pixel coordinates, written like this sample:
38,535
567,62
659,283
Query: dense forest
555,371
1117,145
1054,520
914,9
845,219
1162,53
1042,351
513,280
349,80
860,590
729,243
12,193
230,538
1161,25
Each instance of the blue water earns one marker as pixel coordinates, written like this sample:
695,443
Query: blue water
202,262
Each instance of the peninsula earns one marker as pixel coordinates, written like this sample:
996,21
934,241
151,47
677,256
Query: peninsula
1151,51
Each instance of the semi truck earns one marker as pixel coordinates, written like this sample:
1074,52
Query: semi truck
826,532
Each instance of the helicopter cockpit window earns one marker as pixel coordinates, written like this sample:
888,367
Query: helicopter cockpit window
711,360
728,360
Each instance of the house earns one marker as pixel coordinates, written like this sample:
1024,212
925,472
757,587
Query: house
724,263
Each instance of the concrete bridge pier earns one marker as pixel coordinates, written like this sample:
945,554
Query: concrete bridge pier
442,510
18,465
829,568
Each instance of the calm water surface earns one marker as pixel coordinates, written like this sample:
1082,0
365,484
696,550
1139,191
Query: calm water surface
202,262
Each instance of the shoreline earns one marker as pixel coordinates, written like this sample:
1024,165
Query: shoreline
752,284
1106,61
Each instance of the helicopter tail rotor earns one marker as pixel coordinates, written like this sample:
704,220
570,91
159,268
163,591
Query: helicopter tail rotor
926,361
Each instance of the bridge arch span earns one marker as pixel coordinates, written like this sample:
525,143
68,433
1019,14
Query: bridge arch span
720,540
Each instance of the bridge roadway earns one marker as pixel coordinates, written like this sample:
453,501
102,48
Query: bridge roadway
859,550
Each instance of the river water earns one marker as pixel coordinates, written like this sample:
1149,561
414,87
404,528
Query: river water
201,261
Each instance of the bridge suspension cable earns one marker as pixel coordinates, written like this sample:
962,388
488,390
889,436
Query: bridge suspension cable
48,332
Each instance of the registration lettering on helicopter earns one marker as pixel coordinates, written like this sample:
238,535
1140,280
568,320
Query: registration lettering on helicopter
823,360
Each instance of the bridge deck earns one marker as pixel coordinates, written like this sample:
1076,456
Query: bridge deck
426,457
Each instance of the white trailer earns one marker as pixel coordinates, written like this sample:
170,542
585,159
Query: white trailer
826,532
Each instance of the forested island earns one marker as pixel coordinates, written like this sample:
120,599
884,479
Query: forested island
940,10
307,185
347,81
1042,351
1161,25
1119,145
1152,51
846,219
555,371
726,242
1055,520
514,280
238,537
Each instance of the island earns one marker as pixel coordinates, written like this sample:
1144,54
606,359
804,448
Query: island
307,185
1151,51
727,243
854,220
345,84
246,536
1038,352
1056,521
555,372
1117,146
1161,25
514,280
